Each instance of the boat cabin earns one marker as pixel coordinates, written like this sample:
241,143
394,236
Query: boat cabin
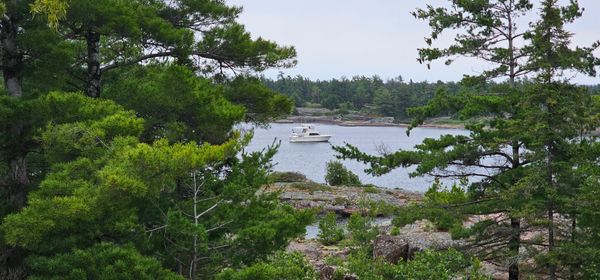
305,129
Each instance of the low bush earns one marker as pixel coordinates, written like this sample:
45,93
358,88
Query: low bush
287,177
310,186
291,266
361,229
329,231
449,264
337,174
370,188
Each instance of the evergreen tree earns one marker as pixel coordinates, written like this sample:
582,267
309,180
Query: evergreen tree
113,34
180,203
52,144
526,132
560,125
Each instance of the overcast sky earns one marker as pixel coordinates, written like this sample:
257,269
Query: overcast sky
337,38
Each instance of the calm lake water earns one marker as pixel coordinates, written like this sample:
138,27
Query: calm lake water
311,158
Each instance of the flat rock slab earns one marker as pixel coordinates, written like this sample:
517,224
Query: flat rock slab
420,235
340,199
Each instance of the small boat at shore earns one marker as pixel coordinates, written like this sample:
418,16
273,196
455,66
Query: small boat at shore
307,133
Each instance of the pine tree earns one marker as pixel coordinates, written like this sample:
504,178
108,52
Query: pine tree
49,138
503,149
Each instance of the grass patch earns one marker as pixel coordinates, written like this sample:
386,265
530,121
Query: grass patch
370,188
377,208
395,230
341,201
287,177
310,186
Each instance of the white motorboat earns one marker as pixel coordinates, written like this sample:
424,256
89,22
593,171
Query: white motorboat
307,133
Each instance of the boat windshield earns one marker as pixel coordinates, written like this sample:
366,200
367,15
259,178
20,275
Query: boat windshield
299,130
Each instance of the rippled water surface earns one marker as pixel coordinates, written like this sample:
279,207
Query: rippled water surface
311,158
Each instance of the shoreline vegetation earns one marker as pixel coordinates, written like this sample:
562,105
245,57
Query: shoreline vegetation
359,119
391,242
300,192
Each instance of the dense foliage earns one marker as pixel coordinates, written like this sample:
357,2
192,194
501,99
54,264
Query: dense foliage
336,174
371,94
119,158
362,263
425,265
329,230
361,229
292,266
525,165
102,261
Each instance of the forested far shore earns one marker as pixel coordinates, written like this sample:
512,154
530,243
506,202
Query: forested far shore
372,95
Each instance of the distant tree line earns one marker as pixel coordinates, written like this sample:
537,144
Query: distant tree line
392,97
388,98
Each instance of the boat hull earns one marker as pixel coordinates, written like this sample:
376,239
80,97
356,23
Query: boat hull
309,139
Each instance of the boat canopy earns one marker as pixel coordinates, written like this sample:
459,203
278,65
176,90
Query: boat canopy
303,129
299,129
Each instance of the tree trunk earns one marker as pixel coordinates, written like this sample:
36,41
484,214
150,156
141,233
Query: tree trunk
12,71
94,75
11,59
18,181
194,255
514,243
572,269
552,266
550,149
551,206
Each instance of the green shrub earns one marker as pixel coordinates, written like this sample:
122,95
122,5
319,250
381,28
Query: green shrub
310,186
286,177
437,195
341,201
376,208
312,105
449,264
361,229
346,106
342,111
443,219
370,188
337,175
433,209
101,261
395,230
334,260
329,231
291,266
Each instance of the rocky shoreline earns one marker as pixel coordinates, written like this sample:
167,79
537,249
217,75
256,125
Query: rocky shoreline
352,118
365,123
346,200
